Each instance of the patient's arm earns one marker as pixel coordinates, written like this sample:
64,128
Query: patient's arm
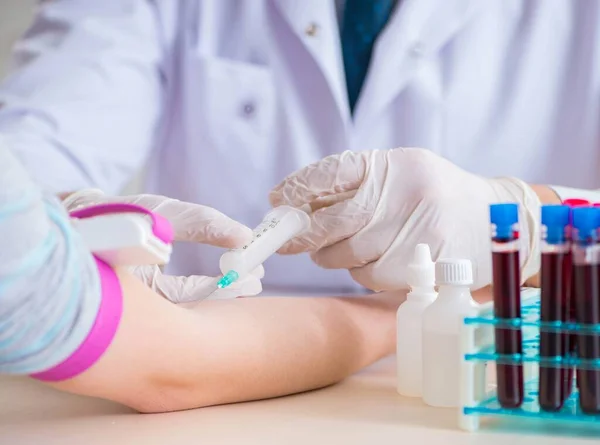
168,358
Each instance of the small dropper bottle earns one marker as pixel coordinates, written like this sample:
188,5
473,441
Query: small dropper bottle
441,332
409,361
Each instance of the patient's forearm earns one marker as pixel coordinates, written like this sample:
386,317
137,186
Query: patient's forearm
168,358
280,346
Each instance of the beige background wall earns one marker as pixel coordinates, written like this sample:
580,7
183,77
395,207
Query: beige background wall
15,16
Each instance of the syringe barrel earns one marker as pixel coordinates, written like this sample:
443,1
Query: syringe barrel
279,226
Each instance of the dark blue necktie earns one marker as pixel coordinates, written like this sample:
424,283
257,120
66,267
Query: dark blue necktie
363,21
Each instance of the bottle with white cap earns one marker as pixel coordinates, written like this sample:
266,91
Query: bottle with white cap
421,279
441,332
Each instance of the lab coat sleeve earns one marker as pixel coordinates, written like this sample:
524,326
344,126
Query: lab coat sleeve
83,102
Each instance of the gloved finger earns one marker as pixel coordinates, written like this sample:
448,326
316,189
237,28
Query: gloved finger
153,277
367,245
196,223
184,289
83,198
330,225
259,272
382,275
173,288
328,201
179,289
248,286
332,175
345,254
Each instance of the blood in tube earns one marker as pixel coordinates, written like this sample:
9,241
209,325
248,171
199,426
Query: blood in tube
554,379
572,338
569,340
506,288
586,275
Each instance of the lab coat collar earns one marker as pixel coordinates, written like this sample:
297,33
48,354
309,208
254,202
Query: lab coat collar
315,23
417,30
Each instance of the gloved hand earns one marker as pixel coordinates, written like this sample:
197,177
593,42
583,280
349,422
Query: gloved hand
197,287
192,223
404,197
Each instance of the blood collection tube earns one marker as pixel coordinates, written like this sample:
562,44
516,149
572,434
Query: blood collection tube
506,287
586,274
572,338
555,289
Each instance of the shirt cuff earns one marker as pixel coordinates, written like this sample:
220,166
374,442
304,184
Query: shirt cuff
565,193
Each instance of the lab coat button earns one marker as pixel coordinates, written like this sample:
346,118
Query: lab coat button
312,30
248,109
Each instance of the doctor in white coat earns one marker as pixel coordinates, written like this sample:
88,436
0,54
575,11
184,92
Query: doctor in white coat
224,98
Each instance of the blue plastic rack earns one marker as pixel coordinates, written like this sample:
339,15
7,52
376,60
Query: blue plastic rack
478,400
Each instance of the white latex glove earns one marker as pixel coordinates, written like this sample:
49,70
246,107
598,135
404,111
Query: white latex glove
404,197
191,223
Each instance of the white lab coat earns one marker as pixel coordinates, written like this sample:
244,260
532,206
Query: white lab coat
226,97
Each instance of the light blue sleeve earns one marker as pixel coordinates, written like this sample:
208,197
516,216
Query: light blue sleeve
49,285
83,101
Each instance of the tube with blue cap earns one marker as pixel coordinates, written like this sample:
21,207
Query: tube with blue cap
506,289
556,380
586,275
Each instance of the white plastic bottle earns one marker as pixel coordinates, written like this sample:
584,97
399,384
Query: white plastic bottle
441,332
421,279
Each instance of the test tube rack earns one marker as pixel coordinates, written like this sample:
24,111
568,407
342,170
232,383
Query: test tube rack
479,398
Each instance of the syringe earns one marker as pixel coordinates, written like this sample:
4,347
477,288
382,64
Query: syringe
278,227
